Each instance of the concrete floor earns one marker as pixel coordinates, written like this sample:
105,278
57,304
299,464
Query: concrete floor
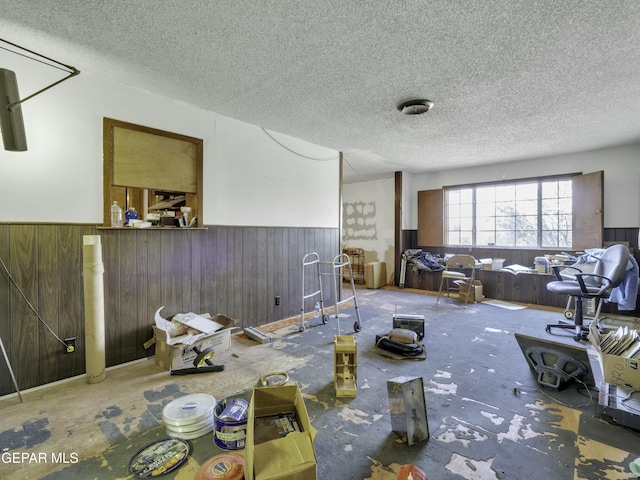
488,417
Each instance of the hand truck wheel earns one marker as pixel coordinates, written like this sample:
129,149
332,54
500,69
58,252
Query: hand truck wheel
203,357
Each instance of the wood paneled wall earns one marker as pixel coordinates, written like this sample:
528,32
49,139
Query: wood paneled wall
236,271
505,286
523,288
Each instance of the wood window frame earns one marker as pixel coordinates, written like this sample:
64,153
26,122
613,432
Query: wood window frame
166,151
431,217
587,222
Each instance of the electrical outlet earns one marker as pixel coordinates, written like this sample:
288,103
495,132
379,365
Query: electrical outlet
71,344
277,300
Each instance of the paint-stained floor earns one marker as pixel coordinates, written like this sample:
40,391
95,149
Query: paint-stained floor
488,417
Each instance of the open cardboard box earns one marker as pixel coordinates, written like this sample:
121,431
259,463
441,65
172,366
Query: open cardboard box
616,370
176,357
289,457
474,292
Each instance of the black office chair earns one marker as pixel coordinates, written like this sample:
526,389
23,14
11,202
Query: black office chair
608,273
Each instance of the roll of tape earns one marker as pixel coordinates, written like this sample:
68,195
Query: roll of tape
266,380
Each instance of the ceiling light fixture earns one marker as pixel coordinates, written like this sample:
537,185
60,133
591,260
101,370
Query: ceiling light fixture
415,107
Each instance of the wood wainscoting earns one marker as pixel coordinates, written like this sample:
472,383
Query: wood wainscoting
235,271
523,288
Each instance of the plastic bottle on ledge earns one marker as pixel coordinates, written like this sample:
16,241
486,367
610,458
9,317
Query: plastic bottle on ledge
129,215
116,215
316,312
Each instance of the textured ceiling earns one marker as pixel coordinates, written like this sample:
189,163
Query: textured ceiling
510,79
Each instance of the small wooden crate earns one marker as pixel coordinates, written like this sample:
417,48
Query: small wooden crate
345,358
408,409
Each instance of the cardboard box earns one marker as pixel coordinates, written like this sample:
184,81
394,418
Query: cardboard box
375,274
474,292
175,357
492,263
289,457
408,409
620,371
616,370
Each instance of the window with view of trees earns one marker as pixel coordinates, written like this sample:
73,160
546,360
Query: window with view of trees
555,212
525,214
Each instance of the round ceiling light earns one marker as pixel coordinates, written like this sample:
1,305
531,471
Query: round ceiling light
415,107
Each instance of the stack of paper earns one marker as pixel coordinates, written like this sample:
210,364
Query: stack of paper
516,269
172,330
202,324
623,342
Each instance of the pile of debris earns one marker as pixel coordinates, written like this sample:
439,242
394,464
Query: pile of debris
422,261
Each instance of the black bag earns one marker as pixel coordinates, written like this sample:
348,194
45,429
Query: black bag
399,348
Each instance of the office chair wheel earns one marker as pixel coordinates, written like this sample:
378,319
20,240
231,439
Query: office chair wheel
548,329
582,336
568,314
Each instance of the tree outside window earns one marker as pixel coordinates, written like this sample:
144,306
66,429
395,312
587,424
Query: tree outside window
532,213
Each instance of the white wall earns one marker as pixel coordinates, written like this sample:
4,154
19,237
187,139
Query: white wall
621,168
249,179
622,192
264,183
368,219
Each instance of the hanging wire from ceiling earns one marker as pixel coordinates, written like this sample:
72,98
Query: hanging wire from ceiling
344,158
297,153
324,159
